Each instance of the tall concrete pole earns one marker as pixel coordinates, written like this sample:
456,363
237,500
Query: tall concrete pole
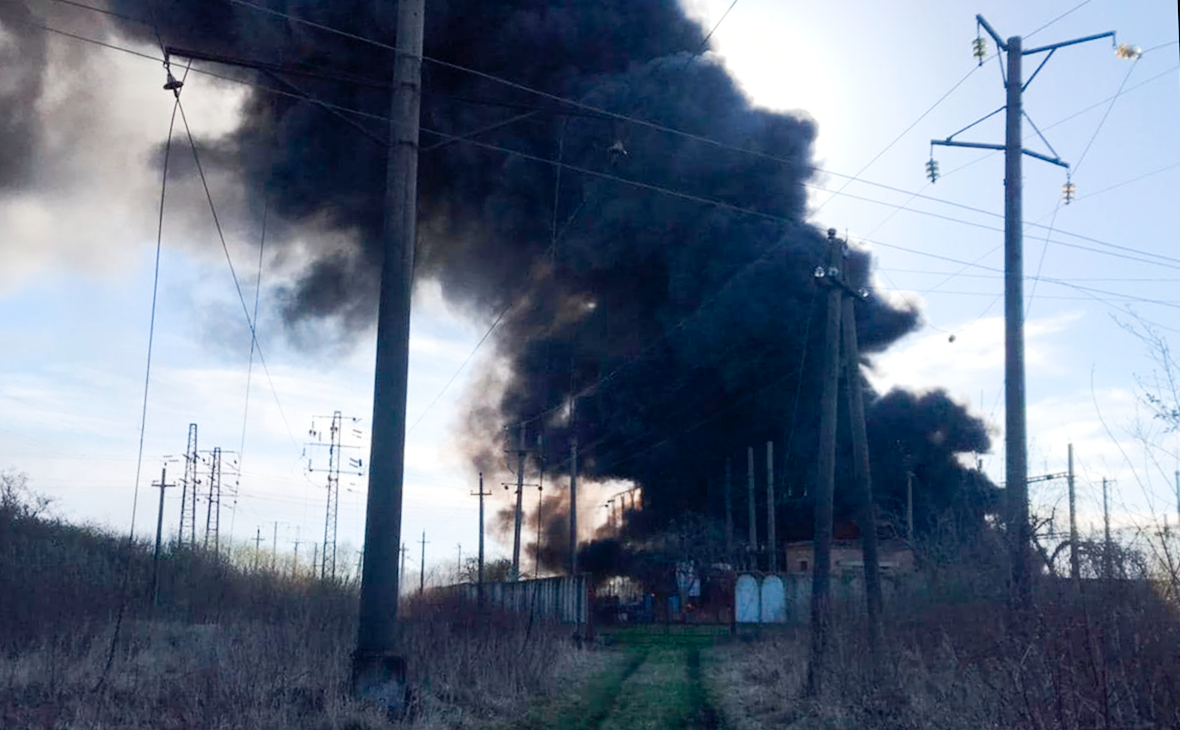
861,468
1016,441
422,570
573,548
482,494
751,501
519,506
159,536
378,671
821,605
909,505
1075,569
770,545
729,510
1107,556
1015,434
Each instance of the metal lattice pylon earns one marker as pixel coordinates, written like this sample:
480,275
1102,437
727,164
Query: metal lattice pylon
213,511
188,495
328,567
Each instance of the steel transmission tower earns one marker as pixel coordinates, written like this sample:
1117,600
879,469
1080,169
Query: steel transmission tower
218,468
189,486
1015,429
335,458
213,503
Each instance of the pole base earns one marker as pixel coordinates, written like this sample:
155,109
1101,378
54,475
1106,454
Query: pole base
379,679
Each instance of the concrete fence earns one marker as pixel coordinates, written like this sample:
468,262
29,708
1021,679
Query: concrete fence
562,600
785,598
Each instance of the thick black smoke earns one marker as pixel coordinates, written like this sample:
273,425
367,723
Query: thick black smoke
678,331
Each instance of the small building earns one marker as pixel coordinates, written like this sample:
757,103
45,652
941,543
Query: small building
894,557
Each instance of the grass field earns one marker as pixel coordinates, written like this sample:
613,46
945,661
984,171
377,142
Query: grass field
653,682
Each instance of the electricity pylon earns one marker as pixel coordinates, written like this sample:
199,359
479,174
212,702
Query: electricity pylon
1015,428
335,464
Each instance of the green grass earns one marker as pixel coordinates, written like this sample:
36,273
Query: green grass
684,636
653,683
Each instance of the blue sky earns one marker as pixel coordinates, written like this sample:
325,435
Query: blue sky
77,262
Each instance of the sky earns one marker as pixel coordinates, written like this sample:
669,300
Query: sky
77,259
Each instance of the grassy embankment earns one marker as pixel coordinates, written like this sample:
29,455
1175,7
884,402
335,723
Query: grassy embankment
228,646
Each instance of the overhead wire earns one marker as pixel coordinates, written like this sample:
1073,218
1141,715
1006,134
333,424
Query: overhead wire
467,360
539,159
233,273
328,105
147,377
617,178
1072,10
899,137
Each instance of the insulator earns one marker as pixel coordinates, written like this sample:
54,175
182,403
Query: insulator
1069,191
819,272
862,293
932,170
979,49
1128,51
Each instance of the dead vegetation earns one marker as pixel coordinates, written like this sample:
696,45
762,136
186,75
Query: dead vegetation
229,647
1107,657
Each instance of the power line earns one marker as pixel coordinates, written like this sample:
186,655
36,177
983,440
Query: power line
898,138
233,273
1144,176
474,350
147,377
1113,99
1074,9
605,175
724,15
328,105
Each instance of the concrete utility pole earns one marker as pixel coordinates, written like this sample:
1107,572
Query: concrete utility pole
162,484
481,495
1015,433
1178,495
274,551
751,501
729,510
257,546
422,570
295,563
404,551
459,563
907,462
520,454
860,467
1107,557
378,671
540,509
770,548
1075,568
573,547
821,606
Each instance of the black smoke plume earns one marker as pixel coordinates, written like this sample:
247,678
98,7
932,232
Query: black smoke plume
676,332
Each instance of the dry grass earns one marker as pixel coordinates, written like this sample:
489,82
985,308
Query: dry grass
1109,658
231,648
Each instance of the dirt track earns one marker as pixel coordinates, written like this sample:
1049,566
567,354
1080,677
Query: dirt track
655,684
